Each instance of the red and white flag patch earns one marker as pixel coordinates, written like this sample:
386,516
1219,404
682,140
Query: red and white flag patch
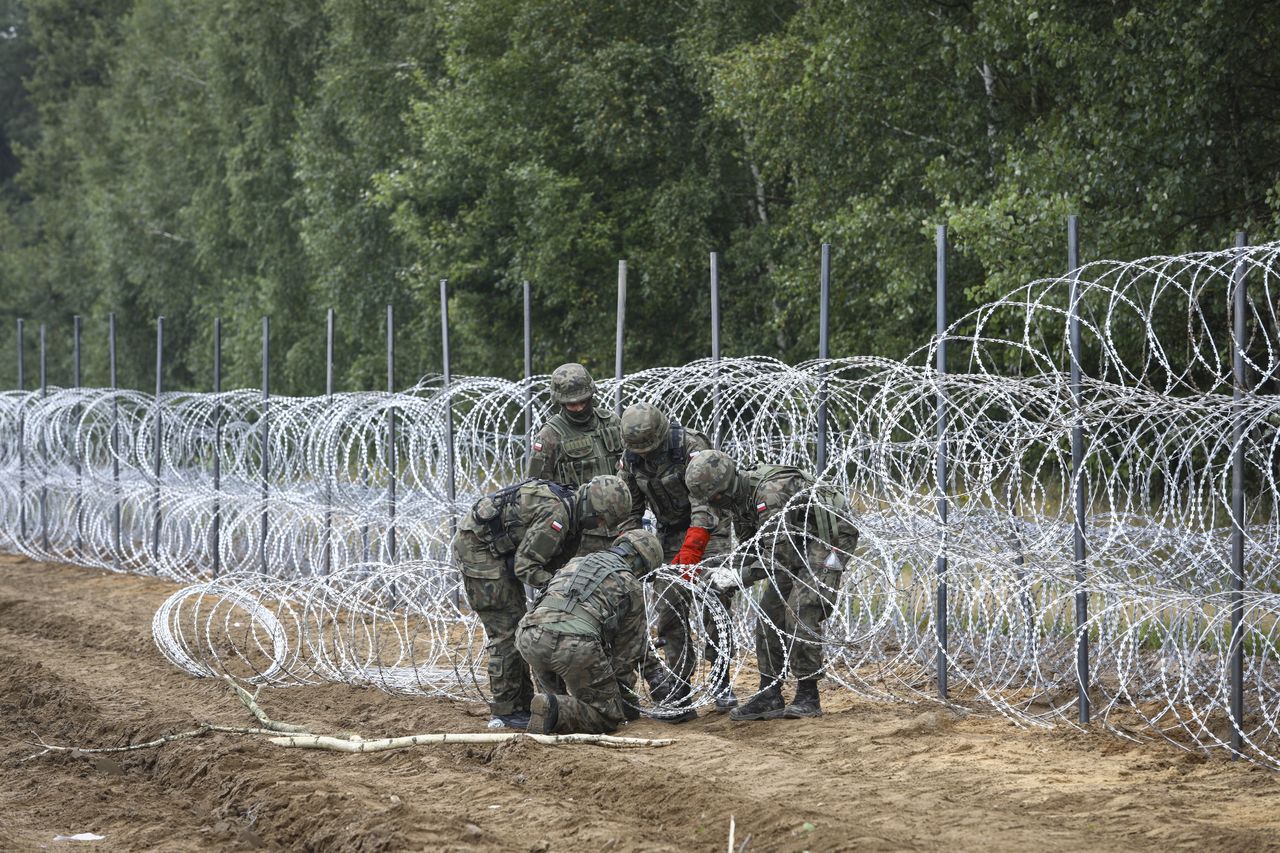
762,506
537,447
556,526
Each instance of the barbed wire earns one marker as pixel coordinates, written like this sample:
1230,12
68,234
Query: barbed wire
309,588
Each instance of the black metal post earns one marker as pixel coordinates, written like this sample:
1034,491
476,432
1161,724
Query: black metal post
75,381
44,442
715,348
940,617
329,478
528,374
217,446
622,324
22,430
452,460
823,354
1237,504
266,438
391,435
115,432
1077,476
159,435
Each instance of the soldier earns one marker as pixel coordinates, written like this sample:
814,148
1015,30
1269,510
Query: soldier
587,632
809,543
517,535
653,468
578,442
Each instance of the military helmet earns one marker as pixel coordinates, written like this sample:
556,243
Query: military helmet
647,547
571,383
644,428
709,472
606,496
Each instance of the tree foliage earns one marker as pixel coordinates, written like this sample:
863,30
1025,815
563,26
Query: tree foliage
237,159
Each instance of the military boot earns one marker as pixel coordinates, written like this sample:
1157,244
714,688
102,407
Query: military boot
544,713
765,705
723,691
806,703
677,697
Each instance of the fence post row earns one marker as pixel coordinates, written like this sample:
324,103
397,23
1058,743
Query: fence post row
1236,650
940,616
391,435
1077,474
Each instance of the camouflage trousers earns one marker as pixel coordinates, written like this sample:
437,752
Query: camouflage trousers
798,597
578,664
499,600
672,602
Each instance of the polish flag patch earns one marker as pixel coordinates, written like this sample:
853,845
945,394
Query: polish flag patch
537,446
761,507
556,526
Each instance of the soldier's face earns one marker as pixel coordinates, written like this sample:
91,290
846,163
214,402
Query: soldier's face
580,406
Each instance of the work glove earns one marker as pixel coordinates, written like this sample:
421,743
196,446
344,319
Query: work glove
724,579
691,551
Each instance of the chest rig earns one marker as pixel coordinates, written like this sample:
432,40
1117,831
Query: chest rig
662,480
500,514
587,453
569,601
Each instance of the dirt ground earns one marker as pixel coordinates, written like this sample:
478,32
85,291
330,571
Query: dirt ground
78,667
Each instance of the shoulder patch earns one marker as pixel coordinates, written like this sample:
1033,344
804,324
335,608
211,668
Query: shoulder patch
537,446
556,526
762,506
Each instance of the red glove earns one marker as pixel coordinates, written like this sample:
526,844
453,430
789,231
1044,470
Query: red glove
690,554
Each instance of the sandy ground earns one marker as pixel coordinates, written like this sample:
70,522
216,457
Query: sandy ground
78,667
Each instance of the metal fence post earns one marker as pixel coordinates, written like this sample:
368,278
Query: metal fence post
266,438
391,434
330,476
622,324
115,434
217,445
528,374
452,459
22,430
1236,651
715,348
1077,476
44,441
159,435
823,354
940,617
75,381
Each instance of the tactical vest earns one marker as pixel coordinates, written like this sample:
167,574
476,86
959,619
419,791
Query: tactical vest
828,500
662,481
587,453
499,513
569,603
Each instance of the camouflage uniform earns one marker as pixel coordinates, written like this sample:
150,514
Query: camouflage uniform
656,479
587,632
572,448
808,547
520,535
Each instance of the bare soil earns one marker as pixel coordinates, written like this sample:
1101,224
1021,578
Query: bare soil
77,666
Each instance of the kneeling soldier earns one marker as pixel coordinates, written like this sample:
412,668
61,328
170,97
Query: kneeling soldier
810,544
520,535
587,631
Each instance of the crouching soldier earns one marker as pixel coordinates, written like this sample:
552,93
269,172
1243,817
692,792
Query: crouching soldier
587,632
808,545
524,534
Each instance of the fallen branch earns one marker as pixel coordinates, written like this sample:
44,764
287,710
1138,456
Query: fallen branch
251,702
202,729
380,745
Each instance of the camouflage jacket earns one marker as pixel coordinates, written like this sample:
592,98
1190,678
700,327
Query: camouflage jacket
572,454
598,596
534,522
656,479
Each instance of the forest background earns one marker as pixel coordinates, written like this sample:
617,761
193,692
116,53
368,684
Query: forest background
240,158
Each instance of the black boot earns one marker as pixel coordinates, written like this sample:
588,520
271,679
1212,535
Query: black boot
544,713
725,700
765,705
677,697
806,703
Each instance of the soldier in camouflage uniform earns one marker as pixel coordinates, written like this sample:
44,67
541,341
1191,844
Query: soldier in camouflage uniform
653,468
522,535
578,442
810,544
587,632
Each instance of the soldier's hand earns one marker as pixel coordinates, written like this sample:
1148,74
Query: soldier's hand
724,579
